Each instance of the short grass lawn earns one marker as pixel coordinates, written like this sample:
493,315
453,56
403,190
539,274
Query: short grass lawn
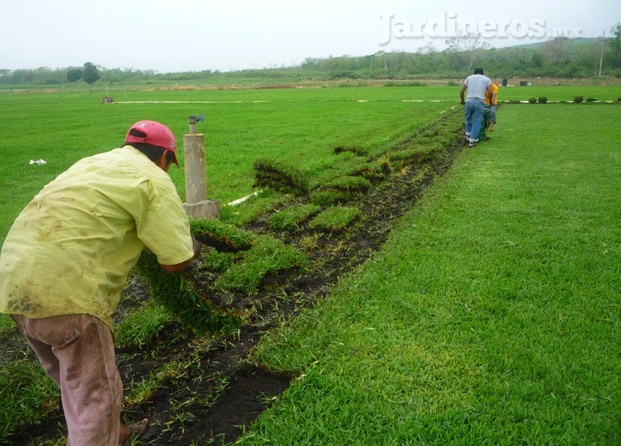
492,316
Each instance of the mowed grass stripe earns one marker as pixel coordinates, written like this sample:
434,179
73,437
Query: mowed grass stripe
492,316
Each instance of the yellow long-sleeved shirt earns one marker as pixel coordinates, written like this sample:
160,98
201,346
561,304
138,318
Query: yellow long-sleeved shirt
71,249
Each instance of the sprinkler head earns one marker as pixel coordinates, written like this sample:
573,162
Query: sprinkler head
196,118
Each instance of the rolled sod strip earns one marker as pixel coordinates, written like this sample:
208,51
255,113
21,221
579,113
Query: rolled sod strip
178,294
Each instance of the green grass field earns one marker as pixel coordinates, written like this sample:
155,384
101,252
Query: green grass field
301,125
492,316
493,313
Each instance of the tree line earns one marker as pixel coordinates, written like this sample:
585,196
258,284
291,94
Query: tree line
558,57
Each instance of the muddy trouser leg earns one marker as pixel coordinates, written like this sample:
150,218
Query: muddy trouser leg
77,352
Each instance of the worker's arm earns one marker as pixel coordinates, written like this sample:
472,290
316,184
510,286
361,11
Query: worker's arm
184,265
461,93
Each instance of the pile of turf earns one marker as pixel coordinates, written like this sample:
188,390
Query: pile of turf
280,176
221,236
177,292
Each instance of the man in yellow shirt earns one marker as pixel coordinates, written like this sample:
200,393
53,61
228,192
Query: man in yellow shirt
66,260
491,103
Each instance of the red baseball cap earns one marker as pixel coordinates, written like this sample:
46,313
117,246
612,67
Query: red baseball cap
154,133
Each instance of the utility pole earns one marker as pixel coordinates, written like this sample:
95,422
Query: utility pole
601,54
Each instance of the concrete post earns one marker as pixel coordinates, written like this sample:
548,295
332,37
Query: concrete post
197,204
195,174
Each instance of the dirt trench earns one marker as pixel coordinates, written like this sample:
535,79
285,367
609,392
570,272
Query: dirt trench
219,390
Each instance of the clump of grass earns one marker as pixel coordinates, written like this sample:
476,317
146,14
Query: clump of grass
445,139
294,217
141,327
216,261
374,171
20,382
335,218
415,155
327,197
267,256
579,99
143,390
280,176
179,296
341,190
351,184
355,150
222,236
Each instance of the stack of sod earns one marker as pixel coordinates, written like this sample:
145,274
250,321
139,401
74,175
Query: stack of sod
280,176
341,190
221,236
177,294
176,291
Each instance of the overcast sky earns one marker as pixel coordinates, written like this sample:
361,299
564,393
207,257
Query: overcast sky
183,35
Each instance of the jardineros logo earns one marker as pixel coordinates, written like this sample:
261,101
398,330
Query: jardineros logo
447,25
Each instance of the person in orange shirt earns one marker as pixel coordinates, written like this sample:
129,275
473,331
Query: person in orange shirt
491,103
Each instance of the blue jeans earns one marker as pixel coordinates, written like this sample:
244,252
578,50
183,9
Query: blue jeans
473,112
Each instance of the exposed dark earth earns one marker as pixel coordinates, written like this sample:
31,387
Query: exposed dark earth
220,390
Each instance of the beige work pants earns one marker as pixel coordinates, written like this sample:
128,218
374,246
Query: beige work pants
77,352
